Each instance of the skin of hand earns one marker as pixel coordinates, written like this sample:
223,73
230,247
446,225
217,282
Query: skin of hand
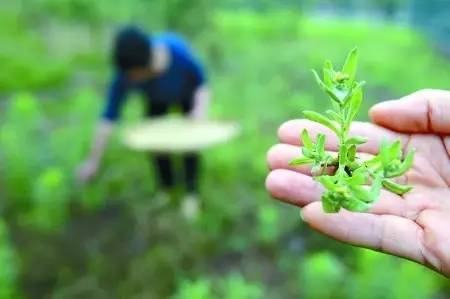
415,226
89,168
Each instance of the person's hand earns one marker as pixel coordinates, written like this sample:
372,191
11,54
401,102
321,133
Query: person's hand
87,170
415,226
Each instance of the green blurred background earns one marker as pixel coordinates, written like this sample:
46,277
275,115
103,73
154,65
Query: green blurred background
59,239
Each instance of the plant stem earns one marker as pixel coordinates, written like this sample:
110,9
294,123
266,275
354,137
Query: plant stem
341,137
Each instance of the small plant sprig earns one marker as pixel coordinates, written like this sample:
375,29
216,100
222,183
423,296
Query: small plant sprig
345,176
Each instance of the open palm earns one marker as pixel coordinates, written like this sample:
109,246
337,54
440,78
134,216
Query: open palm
415,226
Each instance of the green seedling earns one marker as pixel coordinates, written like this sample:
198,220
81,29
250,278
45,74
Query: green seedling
349,182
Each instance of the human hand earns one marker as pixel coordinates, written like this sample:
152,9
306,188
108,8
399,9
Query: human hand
416,225
87,170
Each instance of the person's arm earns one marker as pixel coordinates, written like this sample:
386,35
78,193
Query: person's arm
202,94
89,167
202,98
116,96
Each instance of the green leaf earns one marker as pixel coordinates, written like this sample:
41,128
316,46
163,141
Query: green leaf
351,154
306,140
334,115
321,119
384,153
405,166
328,73
300,161
354,104
329,205
355,205
320,144
361,193
376,186
396,188
342,155
327,89
359,177
374,163
358,86
395,151
307,152
327,181
346,99
350,64
354,165
356,140
318,80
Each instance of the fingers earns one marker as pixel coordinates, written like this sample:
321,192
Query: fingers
386,233
300,190
289,133
447,144
437,239
425,111
389,204
293,187
281,154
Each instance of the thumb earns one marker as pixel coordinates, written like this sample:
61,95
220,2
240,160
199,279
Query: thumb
425,111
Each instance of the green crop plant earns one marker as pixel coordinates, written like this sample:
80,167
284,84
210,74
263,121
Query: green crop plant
349,182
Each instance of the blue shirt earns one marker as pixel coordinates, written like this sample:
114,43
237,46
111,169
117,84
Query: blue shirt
175,85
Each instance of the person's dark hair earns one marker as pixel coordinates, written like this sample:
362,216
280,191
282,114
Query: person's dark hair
131,49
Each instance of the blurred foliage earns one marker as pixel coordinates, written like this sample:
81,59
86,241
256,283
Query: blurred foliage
233,286
9,266
374,276
323,269
107,239
50,200
24,61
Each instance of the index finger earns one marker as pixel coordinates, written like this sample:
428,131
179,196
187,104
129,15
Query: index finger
425,111
386,233
290,131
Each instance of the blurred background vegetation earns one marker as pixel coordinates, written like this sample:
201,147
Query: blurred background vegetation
59,239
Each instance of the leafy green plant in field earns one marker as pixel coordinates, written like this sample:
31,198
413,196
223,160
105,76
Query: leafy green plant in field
24,59
19,141
9,266
345,175
39,137
362,279
232,286
235,286
395,282
199,289
322,269
50,200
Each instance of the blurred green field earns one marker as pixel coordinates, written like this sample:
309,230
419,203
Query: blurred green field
59,239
